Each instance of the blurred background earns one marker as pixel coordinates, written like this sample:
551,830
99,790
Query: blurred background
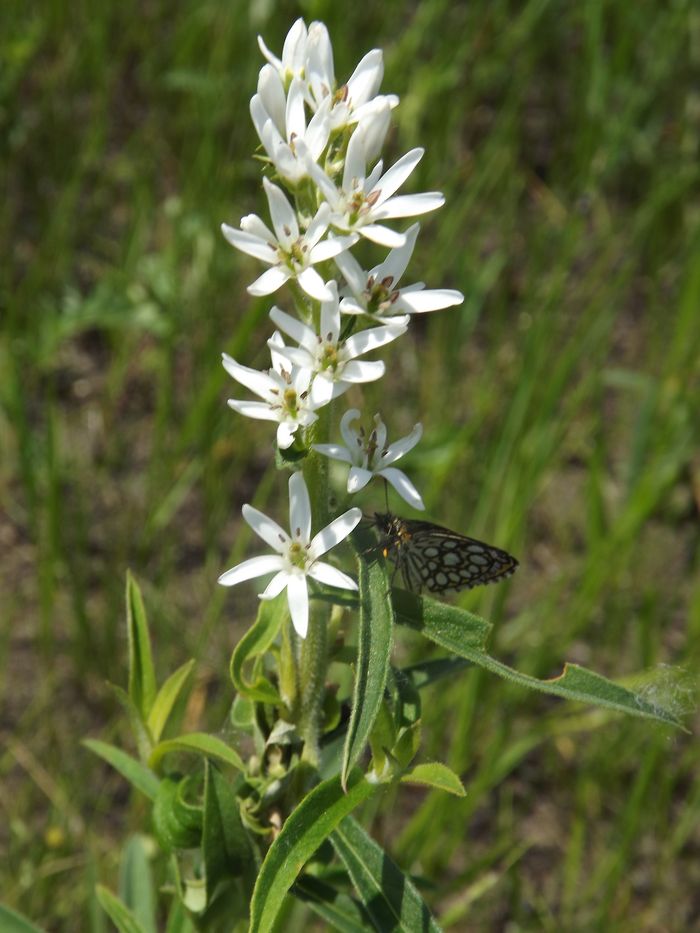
560,406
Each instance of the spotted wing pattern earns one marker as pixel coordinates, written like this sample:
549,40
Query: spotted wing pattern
439,560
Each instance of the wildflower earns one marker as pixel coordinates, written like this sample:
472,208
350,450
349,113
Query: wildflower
289,253
296,554
370,456
332,360
293,61
375,293
284,389
355,99
281,123
363,200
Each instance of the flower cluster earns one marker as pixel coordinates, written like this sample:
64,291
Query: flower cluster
321,142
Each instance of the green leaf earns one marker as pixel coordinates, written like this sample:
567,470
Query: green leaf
428,672
120,915
12,922
340,911
142,678
142,736
201,743
389,896
435,774
302,833
136,883
465,634
226,846
177,821
165,701
374,648
139,775
255,642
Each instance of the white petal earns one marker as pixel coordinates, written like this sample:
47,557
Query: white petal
358,479
317,227
322,391
402,446
334,533
295,118
334,451
269,55
409,205
324,573
365,80
294,49
363,370
266,528
403,486
431,299
299,509
298,598
285,434
352,272
351,306
252,224
275,586
395,263
382,235
259,410
249,243
296,330
355,162
373,127
367,340
380,432
332,247
318,130
320,54
350,435
271,93
252,379
284,220
330,315
394,177
253,567
313,284
269,281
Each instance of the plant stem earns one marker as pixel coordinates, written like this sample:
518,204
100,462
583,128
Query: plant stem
314,652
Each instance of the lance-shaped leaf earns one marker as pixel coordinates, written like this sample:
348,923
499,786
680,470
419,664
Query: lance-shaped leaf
340,911
139,775
374,648
465,634
201,743
142,678
136,888
388,895
226,846
120,915
253,645
305,829
12,922
437,775
165,701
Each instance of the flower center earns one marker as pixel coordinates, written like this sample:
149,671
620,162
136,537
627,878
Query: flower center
297,555
291,401
378,294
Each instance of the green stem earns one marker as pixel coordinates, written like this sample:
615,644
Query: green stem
314,652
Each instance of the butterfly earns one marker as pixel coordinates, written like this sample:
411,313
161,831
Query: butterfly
437,559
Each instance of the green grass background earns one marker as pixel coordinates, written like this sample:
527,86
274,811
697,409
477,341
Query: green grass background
560,405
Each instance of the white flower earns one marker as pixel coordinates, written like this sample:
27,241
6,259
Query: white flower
352,102
281,123
297,554
293,62
363,200
284,390
332,360
289,253
369,456
375,294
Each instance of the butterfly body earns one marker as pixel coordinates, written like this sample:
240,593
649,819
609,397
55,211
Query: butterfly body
439,560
